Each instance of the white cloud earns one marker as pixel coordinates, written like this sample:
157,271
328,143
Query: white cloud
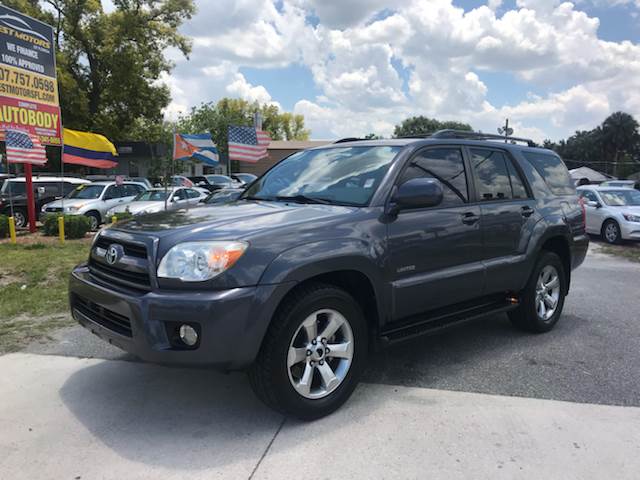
354,52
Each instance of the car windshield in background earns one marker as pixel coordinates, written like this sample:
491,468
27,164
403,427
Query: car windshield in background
152,196
213,179
86,192
223,196
621,198
13,188
337,175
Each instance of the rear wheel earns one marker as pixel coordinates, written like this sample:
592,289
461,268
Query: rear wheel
20,218
542,300
313,354
611,232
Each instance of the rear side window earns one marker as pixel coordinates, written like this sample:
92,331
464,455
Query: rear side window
554,172
445,165
497,179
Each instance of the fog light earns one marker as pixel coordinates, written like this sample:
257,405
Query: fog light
188,335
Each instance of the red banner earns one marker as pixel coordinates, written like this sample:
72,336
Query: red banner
35,118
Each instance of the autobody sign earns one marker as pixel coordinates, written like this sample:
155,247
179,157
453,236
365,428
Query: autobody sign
28,87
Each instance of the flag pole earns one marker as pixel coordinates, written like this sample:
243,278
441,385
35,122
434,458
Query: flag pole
228,155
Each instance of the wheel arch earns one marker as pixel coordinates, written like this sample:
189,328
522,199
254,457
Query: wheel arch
559,245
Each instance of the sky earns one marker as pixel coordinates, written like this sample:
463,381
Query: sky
353,67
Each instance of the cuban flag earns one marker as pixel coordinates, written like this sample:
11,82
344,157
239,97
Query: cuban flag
198,147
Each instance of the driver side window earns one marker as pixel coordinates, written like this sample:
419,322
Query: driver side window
445,165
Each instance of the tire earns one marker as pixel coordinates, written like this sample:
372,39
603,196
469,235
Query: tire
611,232
20,218
527,316
285,358
94,218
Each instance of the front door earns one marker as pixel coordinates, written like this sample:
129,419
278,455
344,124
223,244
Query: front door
508,216
435,254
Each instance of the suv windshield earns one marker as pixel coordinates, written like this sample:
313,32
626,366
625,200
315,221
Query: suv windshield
86,192
152,196
621,198
338,175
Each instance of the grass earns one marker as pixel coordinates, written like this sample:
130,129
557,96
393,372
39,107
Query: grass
628,251
33,288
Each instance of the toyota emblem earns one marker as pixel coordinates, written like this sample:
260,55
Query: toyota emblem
113,254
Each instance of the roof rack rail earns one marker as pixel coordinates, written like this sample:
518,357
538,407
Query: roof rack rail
465,134
348,139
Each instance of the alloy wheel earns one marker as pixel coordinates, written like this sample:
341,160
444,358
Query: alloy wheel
320,354
547,292
611,232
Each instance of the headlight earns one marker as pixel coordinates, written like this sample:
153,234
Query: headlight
629,217
200,261
70,209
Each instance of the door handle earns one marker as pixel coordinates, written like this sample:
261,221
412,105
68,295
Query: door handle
469,218
527,211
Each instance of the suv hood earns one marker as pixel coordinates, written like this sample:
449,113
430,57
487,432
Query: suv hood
230,221
70,202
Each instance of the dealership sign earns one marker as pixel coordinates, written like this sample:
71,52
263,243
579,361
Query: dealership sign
28,87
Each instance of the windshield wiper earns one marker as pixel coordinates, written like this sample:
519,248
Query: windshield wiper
304,199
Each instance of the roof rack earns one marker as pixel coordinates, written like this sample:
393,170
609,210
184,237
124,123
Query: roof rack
467,135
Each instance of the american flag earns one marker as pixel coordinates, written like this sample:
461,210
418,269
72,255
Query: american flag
23,147
247,144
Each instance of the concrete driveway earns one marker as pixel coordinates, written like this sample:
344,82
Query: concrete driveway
562,405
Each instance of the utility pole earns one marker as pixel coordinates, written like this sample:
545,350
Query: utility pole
506,131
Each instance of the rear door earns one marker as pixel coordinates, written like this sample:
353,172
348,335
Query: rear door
435,254
508,215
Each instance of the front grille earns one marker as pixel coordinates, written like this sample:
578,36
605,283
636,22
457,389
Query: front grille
132,270
119,275
102,316
130,249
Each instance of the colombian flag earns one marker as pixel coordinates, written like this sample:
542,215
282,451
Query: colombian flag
88,149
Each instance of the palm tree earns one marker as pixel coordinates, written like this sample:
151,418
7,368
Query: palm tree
620,135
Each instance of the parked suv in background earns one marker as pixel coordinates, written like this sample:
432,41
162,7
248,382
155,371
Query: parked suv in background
612,212
337,251
45,190
94,199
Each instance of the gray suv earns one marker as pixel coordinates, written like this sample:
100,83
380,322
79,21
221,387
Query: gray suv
336,252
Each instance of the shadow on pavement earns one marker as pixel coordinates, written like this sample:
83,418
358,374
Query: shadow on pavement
186,419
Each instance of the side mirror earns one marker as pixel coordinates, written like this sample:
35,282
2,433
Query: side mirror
594,204
40,191
419,193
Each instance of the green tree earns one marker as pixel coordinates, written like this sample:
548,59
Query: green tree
423,125
109,64
620,137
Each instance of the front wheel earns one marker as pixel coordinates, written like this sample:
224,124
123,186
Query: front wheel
542,300
313,354
20,218
611,232
94,219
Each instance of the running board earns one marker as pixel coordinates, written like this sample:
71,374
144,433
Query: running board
438,322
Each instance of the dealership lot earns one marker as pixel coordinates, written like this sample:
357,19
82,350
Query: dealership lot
483,400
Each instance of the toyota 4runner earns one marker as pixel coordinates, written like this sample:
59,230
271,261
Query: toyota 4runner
334,253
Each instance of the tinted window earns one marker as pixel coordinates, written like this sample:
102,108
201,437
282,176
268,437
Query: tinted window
193,193
517,185
492,174
445,165
553,171
131,190
180,195
51,189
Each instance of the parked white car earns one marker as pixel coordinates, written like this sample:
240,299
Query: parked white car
613,213
94,199
621,183
153,201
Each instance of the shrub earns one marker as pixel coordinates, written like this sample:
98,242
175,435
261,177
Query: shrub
121,216
4,226
75,226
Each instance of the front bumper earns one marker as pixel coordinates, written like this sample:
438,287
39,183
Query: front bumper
630,230
231,322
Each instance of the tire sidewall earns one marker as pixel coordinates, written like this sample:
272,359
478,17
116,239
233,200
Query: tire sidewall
18,213
92,216
547,258
291,400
